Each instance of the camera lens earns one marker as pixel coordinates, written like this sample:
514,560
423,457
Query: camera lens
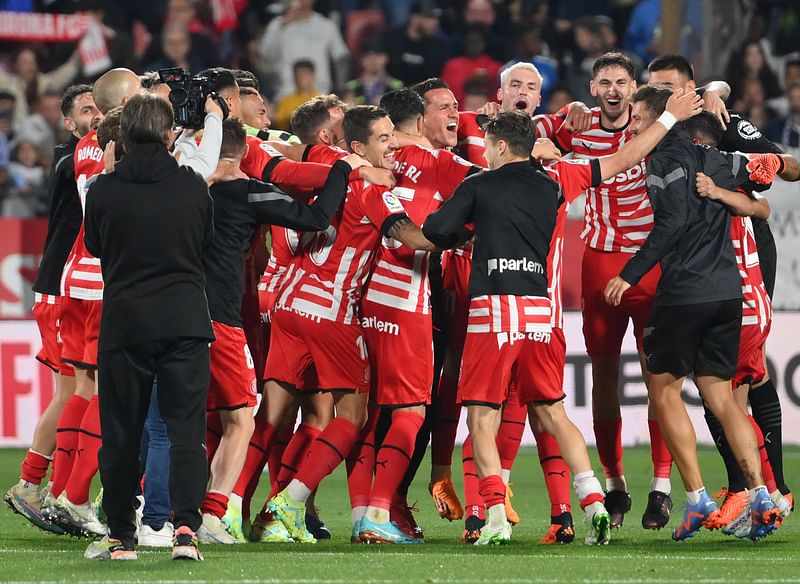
178,96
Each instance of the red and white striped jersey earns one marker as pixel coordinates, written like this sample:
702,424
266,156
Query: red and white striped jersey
265,163
618,216
332,270
83,277
573,177
504,313
425,179
756,305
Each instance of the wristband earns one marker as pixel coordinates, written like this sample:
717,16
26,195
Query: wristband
667,120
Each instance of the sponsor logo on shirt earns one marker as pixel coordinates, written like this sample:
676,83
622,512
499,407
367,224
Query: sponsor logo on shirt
511,338
747,130
393,203
514,265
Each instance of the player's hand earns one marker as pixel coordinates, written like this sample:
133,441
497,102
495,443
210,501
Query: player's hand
212,107
490,109
615,288
545,150
579,118
684,105
378,176
706,187
355,161
713,103
110,157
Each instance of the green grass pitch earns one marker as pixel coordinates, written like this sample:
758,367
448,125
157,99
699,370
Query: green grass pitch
633,556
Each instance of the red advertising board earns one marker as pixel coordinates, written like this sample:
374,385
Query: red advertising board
21,244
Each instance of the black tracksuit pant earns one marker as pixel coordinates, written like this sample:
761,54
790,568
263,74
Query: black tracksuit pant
125,384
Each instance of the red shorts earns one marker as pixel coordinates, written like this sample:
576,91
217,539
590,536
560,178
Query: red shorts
336,351
47,312
493,361
750,362
604,325
456,270
80,329
400,347
233,378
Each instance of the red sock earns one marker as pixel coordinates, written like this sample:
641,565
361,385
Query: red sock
327,452
493,490
215,504
294,454
85,467
473,503
361,462
556,473
276,455
213,434
394,457
659,453
67,430
509,435
766,466
254,462
445,421
34,467
608,434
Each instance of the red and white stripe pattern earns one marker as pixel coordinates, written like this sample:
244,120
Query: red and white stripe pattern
404,287
618,215
498,313
39,298
756,305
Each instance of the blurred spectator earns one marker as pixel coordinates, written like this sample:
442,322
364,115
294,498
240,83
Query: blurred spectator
302,34
27,83
644,31
417,51
7,106
28,176
482,14
374,81
176,46
183,14
397,11
610,40
305,84
45,128
476,94
118,42
474,62
791,74
591,43
530,48
749,63
786,130
559,97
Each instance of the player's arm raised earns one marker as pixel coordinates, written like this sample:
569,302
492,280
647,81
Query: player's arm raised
680,106
738,202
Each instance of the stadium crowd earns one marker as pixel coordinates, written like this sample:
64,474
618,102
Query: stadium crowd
382,249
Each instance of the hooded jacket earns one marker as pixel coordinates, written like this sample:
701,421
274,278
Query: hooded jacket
149,222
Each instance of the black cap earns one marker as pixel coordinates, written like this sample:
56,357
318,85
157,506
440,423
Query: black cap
426,8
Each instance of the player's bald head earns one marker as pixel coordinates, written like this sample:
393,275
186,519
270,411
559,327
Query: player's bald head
114,88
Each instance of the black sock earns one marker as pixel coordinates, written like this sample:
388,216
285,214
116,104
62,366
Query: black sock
766,409
736,481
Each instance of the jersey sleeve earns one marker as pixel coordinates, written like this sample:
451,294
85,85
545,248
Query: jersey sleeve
451,169
575,176
323,154
742,136
380,206
470,138
444,226
259,159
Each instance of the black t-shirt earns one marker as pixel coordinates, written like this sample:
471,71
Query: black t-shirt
691,235
64,219
513,209
240,208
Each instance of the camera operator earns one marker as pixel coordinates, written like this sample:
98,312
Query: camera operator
150,227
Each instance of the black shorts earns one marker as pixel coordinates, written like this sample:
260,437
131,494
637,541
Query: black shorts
694,338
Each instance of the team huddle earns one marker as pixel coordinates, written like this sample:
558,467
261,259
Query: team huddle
380,269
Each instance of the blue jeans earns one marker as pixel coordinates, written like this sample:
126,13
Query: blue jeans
155,462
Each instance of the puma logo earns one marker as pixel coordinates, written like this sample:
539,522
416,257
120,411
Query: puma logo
561,473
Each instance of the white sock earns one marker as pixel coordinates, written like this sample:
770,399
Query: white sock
754,491
617,484
693,497
298,491
356,513
497,516
505,474
48,457
585,484
661,484
377,515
